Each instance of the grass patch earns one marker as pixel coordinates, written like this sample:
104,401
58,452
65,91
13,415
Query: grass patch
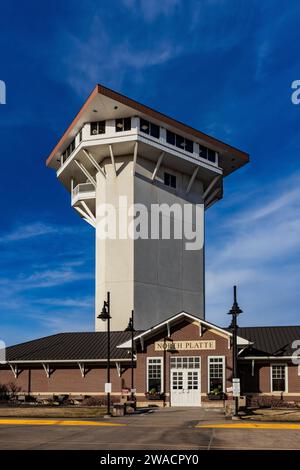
52,412
286,415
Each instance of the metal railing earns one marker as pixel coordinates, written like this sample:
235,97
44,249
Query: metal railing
83,190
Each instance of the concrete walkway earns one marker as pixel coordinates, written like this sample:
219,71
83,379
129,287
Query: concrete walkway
170,428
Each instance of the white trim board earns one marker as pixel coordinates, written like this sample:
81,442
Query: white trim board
153,329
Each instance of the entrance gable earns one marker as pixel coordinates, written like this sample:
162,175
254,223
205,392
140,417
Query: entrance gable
188,337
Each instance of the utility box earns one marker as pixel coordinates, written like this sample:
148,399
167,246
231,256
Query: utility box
118,409
242,402
129,407
229,407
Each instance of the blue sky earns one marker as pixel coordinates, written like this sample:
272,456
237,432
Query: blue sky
222,66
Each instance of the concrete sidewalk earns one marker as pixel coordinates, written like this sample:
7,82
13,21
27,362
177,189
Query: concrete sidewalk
164,429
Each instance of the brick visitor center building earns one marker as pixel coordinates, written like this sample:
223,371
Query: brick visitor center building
182,361
119,148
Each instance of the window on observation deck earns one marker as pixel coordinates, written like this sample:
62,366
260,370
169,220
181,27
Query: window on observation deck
207,153
203,151
170,137
123,124
211,155
98,127
180,141
69,150
189,145
149,128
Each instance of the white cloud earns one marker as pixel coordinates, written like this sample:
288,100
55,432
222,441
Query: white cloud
81,302
36,292
152,9
46,324
263,51
70,320
43,316
25,231
282,199
87,64
33,230
61,274
216,128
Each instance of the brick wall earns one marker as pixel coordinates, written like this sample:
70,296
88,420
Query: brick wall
66,380
260,382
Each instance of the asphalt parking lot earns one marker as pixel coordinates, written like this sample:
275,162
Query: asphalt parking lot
166,429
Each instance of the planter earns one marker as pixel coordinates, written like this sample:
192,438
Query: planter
154,396
216,396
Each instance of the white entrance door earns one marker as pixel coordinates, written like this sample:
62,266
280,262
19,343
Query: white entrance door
185,386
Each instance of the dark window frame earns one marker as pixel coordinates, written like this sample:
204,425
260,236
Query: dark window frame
189,143
279,381
144,123
203,151
207,153
170,137
125,124
69,150
216,373
151,128
99,127
211,155
155,374
179,141
170,180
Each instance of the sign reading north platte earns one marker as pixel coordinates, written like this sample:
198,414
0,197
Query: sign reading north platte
185,345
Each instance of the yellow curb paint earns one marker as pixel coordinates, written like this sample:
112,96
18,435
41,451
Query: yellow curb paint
56,422
250,426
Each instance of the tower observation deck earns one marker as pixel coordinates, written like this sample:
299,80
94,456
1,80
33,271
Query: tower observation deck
118,152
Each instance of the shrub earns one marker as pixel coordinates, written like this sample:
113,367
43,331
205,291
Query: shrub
14,389
93,401
97,401
3,392
268,402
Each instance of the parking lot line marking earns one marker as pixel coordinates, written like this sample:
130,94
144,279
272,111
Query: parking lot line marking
250,426
56,422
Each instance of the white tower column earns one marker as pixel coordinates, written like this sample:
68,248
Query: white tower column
114,257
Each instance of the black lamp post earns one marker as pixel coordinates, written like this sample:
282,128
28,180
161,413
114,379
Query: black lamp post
105,315
130,327
166,340
235,311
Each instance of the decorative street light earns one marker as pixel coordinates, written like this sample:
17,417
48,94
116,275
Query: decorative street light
105,315
130,327
167,340
235,311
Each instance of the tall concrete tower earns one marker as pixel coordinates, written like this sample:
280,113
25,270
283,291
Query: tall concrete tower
119,152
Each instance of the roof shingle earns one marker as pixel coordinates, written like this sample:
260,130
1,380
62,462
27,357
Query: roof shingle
270,340
267,341
70,346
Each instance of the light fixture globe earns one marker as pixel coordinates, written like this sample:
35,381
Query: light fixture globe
130,327
235,309
104,315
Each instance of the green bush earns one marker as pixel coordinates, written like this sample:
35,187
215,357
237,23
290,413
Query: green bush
268,402
3,392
